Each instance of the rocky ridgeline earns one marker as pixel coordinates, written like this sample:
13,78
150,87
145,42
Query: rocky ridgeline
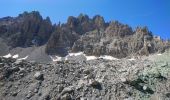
85,80
120,41
93,36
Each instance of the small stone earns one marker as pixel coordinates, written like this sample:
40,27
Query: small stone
123,80
46,97
39,93
129,98
1,84
35,90
60,88
67,89
29,95
164,64
18,62
94,83
39,76
15,69
5,93
22,74
82,98
14,94
87,71
168,95
145,87
66,97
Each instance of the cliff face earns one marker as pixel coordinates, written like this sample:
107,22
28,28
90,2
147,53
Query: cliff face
65,35
93,36
119,41
60,41
26,29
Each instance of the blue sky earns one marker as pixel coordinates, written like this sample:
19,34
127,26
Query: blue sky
152,13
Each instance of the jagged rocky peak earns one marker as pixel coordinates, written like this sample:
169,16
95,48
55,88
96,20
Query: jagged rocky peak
60,41
99,21
144,32
33,14
116,28
26,29
72,22
6,20
120,41
93,35
79,24
83,18
83,23
147,42
71,31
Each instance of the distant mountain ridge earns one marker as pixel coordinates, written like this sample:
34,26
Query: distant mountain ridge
93,36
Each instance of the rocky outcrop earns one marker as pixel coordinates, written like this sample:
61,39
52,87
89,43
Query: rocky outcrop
117,29
119,41
60,41
65,35
26,29
93,36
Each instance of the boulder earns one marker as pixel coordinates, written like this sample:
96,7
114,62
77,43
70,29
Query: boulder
39,76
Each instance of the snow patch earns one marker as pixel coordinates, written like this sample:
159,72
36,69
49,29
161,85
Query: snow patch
106,57
76,54
132,59
90,57
57,58
159,54
66,58
7,56
15,56
81,53
23,58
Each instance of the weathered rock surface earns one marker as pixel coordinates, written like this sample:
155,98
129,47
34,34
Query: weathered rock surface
26,30
93,36
119,41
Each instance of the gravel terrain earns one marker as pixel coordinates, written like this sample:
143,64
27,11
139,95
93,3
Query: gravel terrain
124,79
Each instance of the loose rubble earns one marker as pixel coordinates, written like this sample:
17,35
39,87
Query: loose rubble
98,79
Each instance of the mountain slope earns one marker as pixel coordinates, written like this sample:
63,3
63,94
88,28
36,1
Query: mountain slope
93,36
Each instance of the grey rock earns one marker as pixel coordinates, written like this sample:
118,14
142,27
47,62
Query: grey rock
66,97
29,95
39,76
94,83
68,89
14,94
145,87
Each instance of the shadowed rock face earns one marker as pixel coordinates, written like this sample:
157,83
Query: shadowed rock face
26,29
94,36
60,41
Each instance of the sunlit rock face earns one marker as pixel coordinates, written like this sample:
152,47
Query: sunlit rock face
117,29
93,36
120,41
